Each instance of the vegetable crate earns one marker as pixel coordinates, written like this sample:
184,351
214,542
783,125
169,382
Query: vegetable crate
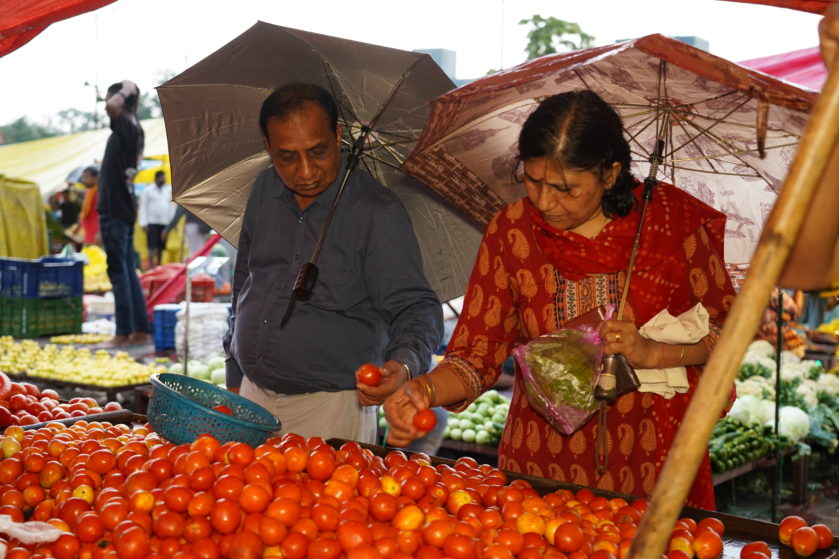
165,319
31,318
46,277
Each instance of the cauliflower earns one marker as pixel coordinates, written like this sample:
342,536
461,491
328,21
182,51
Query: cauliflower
758,387
808,390
794,424
760,348
828,383
745,409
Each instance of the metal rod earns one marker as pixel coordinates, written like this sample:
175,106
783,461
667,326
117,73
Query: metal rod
779,347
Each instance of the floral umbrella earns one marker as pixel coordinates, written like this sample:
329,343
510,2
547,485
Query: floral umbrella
729,133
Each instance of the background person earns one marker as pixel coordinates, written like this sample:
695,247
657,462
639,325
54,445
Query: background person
370,303
89,217
156,210
558,253
117,209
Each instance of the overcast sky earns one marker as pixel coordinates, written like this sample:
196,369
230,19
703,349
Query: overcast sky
145,39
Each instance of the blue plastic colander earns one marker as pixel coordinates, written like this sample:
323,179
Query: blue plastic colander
181,408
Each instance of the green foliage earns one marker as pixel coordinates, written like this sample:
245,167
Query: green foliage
789,396
750,369
549,34
22,130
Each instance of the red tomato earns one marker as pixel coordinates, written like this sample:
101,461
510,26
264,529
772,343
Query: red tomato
805,541
789,525
707,545
825,535
66,546
713,523
758,546
223,409
131,543
226,516
246,545
369,374
425,420
321,464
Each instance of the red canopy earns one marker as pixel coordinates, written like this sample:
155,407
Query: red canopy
21,20
812,6
802,67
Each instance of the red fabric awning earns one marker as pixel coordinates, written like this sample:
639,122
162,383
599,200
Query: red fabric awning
21,20
812,6
802,67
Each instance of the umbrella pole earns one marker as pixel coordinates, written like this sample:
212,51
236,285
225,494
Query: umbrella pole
710,396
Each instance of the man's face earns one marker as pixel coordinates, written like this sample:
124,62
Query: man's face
160,180
305,152
88,180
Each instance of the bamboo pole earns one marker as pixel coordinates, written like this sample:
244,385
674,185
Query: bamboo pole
779,234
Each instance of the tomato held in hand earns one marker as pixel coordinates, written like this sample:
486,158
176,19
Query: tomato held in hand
369,374
425,420
223,409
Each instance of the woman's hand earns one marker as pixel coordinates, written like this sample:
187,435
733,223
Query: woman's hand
400,409
621,336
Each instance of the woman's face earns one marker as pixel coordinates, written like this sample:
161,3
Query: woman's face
567,198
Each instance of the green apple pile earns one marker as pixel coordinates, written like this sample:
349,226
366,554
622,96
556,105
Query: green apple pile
72,364
482,422
211,371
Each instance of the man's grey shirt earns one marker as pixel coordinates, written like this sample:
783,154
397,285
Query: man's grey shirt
371,301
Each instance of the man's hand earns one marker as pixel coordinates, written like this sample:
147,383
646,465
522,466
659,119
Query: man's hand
394,375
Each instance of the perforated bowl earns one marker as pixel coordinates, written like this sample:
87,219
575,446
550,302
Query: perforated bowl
181,408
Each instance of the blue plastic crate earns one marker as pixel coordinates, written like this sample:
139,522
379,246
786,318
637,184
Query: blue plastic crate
165,319
43,278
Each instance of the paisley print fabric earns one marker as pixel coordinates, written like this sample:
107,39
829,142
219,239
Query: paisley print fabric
529,279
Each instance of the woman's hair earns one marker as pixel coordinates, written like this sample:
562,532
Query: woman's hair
580,130
290,98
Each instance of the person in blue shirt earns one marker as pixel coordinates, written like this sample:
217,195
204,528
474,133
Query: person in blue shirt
370,301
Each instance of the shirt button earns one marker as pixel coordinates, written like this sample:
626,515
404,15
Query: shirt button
260,358
300,219
297,257
264,321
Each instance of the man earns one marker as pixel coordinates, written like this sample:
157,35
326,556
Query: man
89,218
370,301
118,211
156,209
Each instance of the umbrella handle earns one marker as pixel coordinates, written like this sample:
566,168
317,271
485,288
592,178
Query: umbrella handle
710,396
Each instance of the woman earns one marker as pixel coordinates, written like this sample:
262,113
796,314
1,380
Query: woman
558,253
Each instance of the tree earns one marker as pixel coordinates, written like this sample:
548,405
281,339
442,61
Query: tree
70,121
22,130
550,33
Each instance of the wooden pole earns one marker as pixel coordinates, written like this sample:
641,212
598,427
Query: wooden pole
709,399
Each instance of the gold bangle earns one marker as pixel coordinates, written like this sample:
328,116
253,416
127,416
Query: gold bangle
430,390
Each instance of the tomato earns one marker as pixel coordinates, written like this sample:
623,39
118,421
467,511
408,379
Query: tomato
711,522
202,479
805,541
223,409
321,464
240,453
226,516
228,487
568,537
5,386
206,549
168,524
425,420
246,545
201,504
326,517
285,510
254,498
66,546
271,530
196,528
294,546
789,525
707,544
758,546
353,534
825,535
131,543
369,374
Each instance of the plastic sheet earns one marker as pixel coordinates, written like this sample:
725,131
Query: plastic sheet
23,227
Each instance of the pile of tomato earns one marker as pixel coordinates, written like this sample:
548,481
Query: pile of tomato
123,492
23,403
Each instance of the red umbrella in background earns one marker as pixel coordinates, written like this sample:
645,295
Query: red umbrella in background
802,67
20,21
812,6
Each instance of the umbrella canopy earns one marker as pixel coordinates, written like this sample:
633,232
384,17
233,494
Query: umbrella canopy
729,133
211,112
812,6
